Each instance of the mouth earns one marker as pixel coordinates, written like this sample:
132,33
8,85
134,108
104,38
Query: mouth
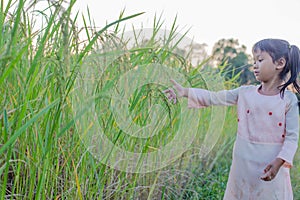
256,73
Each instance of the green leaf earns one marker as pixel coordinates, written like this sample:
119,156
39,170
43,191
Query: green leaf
25,126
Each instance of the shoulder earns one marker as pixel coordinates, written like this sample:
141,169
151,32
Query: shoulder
290,98
248,88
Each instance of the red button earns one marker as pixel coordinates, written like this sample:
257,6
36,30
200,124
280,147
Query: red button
270,113
280,124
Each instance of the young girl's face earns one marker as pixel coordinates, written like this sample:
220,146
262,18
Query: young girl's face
264,68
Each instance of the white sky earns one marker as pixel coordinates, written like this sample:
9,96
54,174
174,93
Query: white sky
210,20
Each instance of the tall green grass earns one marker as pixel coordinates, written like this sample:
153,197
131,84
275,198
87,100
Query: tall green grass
41,152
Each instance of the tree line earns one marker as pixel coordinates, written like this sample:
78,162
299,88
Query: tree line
229,57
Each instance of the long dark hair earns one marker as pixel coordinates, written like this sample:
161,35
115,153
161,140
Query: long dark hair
277,49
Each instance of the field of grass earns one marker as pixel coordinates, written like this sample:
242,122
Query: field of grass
44,145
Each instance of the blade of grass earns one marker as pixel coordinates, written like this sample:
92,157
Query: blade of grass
47,33
15,136
77,181
13,38
153,186
94,39
8,155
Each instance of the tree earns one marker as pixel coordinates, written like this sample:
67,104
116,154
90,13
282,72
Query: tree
234,61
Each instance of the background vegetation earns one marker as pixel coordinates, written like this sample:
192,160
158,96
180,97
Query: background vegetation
41,153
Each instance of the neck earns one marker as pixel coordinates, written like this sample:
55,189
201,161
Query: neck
270,88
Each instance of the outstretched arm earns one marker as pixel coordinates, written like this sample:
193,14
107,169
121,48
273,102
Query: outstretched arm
199,98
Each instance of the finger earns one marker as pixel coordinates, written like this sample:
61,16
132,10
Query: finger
267,179
172,97
167,91
174,83
267,168
267,176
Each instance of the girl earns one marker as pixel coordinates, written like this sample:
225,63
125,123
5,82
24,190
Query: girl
268,123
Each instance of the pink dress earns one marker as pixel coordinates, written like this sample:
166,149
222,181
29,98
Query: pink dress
268,127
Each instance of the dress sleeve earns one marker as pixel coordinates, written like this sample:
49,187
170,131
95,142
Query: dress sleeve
199,98
290,143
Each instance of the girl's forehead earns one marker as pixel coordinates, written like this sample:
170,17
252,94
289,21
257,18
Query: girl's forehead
258,53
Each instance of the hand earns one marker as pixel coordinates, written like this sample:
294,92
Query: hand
272,169
181,91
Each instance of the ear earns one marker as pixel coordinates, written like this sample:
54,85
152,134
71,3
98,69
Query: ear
280,63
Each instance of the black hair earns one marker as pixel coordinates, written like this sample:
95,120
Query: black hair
277,49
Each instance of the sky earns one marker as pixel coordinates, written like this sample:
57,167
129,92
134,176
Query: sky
208,20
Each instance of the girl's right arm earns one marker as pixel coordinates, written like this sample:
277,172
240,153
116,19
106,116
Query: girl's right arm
199,98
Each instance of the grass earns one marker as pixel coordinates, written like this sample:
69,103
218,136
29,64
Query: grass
43,152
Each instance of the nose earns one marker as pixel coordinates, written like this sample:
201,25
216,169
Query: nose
255,66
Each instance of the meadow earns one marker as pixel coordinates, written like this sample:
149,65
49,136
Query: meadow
46,151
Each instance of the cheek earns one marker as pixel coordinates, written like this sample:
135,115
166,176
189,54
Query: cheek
266,68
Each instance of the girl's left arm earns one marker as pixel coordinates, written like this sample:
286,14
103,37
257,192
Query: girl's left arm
290,143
